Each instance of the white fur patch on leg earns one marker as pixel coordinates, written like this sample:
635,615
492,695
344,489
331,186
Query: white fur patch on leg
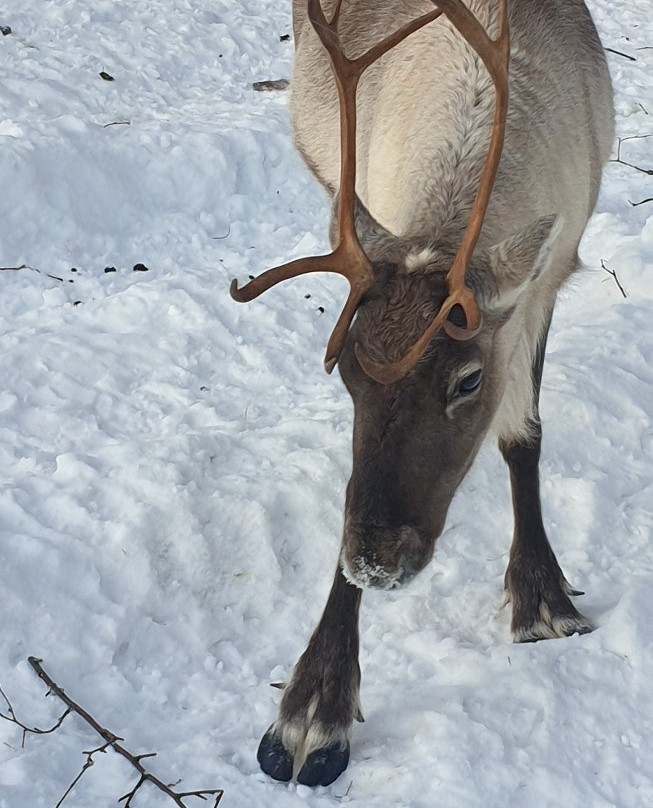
550,627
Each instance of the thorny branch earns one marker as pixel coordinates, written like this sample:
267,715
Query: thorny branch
87,765
11,716
614,275
111,742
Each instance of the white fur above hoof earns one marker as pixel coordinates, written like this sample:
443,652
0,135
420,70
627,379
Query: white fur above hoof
313,755
551,627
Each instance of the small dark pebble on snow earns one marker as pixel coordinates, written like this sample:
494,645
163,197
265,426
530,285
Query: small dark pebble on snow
5,30
284,37
140,268
273,84
106,76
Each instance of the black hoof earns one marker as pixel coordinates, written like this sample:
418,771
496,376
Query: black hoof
273,757
325,765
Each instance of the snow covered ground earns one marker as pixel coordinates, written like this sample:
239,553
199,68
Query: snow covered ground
173,464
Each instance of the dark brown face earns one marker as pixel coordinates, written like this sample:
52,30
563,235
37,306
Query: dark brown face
414,440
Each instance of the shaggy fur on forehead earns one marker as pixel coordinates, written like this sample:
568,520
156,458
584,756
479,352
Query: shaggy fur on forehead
398,309
417,260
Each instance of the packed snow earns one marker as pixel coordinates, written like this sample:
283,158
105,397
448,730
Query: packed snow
174,463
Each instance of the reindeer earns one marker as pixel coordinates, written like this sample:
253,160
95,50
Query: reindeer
454,252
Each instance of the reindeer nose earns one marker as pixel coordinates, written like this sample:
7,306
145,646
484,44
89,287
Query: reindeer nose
384,558
367,573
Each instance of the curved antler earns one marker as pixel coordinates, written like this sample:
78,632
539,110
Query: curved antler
495,54
348,258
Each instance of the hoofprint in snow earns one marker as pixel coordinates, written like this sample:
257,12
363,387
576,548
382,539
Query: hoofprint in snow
174,464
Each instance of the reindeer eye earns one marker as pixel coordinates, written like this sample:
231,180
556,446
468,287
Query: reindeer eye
470,383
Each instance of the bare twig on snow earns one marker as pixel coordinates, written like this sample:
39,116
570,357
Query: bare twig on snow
614,275
618,159
87,765
641,201
619,53
32,269
11,716
112,741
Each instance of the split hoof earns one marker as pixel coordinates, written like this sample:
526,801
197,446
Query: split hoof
274,758
554,628
541,605
325,765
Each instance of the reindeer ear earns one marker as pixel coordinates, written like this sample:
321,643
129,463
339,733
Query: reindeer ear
518,260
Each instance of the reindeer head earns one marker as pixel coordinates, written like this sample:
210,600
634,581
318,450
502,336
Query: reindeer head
419,359
416,437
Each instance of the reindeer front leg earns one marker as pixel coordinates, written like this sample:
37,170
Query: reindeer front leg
534,582
310,736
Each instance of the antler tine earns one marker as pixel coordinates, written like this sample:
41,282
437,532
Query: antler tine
347,73
495,54
348,258
301,266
